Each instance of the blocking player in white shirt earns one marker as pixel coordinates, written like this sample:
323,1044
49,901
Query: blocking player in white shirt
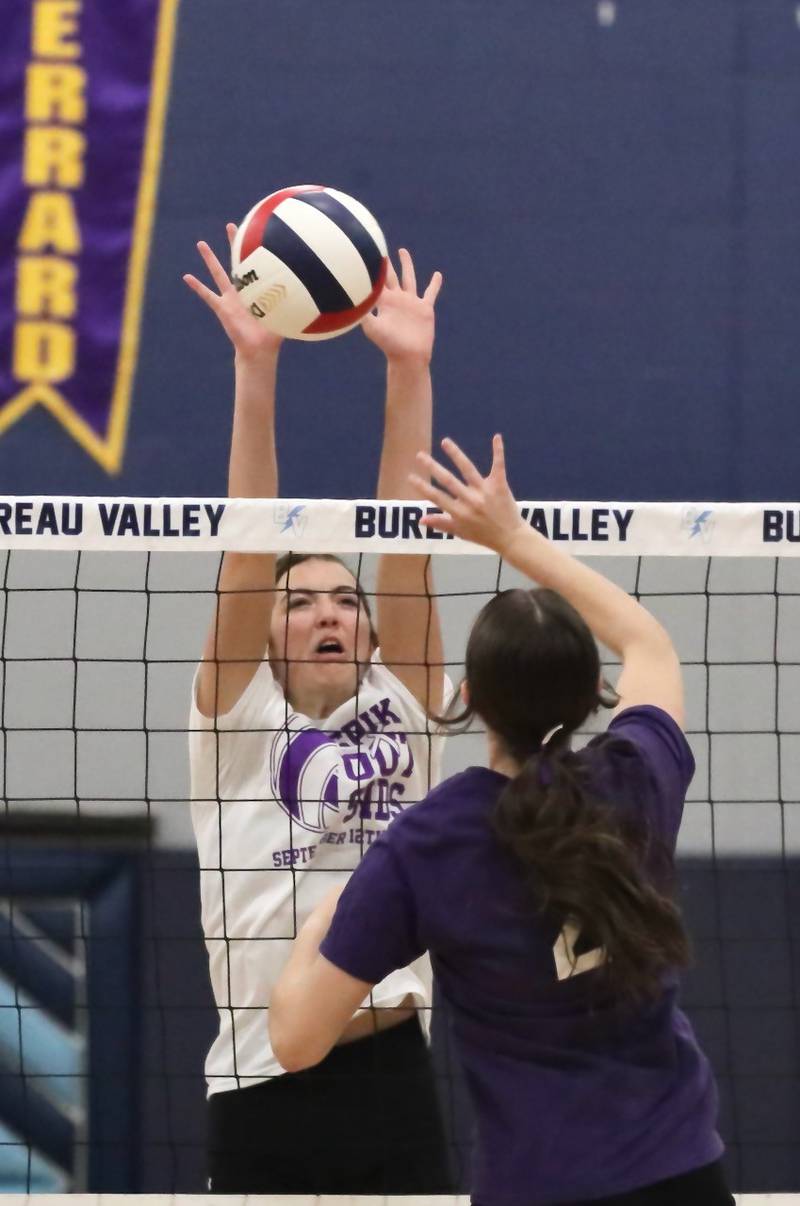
306,739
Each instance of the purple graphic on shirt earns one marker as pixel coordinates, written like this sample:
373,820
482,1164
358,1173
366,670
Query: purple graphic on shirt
306,778
358,772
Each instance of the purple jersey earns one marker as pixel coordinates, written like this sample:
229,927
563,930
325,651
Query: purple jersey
571,1101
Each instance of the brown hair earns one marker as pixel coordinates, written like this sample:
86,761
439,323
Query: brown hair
532,665
287,562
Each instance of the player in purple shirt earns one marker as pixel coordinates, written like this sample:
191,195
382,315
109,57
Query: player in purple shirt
541,887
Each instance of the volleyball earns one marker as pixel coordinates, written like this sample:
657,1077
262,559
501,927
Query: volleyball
309,261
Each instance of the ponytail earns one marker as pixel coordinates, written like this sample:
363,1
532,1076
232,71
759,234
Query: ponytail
594,868
533,676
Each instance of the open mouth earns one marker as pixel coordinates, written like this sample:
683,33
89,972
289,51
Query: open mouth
329,648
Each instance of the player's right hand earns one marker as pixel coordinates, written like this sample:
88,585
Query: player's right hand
250,337
403,324
478,509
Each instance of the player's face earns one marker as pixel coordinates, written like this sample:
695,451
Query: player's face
319,636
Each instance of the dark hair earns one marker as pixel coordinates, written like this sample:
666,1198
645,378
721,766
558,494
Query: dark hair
531,665
287,562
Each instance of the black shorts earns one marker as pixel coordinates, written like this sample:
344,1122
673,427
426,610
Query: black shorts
704,1186
364,1121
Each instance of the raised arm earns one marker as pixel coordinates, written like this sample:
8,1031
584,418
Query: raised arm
483,510
408,619
239,633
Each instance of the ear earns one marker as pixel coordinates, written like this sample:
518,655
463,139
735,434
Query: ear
463,691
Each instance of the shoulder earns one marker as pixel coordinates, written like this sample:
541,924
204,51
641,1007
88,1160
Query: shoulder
447,810
419,842
644,758
475,784
655,735
259,701
382,679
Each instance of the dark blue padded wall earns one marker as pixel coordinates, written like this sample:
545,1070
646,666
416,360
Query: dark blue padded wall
613,206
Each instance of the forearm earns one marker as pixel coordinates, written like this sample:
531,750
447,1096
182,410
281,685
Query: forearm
310,935
615,618
313,1001
240,628
253,466
408,620
407,424
297,1023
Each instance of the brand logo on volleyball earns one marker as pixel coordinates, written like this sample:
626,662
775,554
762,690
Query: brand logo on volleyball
269,299
291,519
698,524
247,278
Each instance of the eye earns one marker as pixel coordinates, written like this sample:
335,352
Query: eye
349,600
296,601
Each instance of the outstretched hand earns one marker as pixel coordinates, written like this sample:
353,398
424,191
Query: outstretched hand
479,509
249,336
403,327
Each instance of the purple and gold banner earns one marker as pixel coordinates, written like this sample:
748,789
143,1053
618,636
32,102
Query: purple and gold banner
83,95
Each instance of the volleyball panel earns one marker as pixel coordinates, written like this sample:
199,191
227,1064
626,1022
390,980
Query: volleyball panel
367,239
327,325
363,215
270,289
330,244
251,229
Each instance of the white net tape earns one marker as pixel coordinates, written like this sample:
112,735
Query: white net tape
356,526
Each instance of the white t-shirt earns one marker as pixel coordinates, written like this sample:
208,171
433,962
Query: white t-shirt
282,807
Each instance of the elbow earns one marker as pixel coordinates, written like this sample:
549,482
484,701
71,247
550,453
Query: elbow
292,1058
294,1050
651,638
296,1056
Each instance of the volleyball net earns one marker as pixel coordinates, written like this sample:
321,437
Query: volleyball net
106,1010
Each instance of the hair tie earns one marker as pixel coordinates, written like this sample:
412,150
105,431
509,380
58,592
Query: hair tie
545,771
548,737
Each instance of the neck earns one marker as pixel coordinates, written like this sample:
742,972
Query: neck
318,700
499,758
317,703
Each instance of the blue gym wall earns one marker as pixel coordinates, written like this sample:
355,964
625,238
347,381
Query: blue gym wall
614,208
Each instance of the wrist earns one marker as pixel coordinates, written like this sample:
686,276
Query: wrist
513,542
255,378
262,359
400,363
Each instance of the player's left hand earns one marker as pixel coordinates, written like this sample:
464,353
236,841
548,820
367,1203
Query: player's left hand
403,326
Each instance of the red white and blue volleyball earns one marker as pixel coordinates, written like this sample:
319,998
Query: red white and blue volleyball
309,261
